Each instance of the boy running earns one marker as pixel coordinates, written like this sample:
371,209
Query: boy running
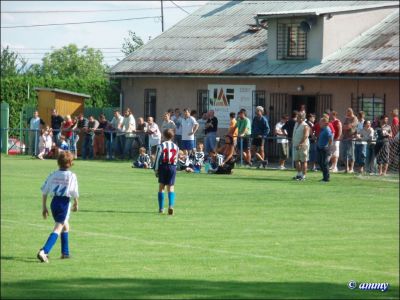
165,170
63,185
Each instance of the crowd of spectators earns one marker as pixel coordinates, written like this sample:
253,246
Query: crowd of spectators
356,142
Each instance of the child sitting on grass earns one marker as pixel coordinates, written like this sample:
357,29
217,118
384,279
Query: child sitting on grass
197,159
143,161
63,185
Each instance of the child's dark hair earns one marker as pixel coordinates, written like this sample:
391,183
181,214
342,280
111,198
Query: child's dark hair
169,134
232,115
65,160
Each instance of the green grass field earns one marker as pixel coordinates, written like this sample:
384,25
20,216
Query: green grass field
254,234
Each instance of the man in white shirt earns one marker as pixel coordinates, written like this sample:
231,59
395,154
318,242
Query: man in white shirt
282,141
129,127
119,142
189,128
154,135
35,125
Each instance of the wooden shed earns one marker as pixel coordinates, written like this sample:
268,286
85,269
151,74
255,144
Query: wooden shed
65,102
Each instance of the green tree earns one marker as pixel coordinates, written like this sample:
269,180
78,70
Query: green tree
11,63
131,43
70,61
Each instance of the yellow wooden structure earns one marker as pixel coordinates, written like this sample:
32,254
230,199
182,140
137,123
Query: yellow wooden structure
65,102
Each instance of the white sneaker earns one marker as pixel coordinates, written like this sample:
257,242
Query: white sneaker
42,256
335,170
282,168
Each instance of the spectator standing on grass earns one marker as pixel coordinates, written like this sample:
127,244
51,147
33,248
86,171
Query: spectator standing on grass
364,135
325,139
56,121
154,135
211,128
233,130
200,133
81,126
244,132
337,133
384,133
289,127
74,137
189,127
312,155
167,123
349,133
104,134
301,146
359,155
35,125
177,118
370,159
141,130
119,141
282,141
88,142
67,130
259,131
129,127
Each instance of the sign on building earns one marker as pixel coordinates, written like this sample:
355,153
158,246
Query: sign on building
227,98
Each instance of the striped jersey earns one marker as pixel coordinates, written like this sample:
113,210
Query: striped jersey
61,183
145,158
167,154
219,159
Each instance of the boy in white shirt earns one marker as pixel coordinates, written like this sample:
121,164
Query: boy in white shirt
62,185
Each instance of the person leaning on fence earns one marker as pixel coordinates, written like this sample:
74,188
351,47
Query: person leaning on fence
104,129
88,142
244,132
382,150
98,143
119,141
129,127
325,139
301,145
349,133
35,125
259,131
282,141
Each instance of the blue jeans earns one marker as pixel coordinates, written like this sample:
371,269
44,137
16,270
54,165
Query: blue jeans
323,161
370,160
360,151
119,145
109,152
312,153
128,146
87,147
210,141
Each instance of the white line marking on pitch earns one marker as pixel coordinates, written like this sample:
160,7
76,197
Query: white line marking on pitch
240,254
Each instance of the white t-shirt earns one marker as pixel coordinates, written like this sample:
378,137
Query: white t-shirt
155,137
34,123
280,139
117,124
61,183
129,125
187,127
298,133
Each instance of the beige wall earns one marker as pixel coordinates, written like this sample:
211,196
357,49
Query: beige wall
182,92
343,28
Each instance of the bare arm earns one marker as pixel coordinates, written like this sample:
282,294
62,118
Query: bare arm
75,205
305,135
45,212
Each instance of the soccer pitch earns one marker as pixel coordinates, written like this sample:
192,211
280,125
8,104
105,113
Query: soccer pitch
253,234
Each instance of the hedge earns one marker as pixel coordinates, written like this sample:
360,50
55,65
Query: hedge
14,91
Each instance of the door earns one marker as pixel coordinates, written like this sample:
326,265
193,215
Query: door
278,106
309,101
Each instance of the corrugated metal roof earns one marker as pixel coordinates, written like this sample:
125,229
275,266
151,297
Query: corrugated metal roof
216,40
62,91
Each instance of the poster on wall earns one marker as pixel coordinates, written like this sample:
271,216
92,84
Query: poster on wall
226,98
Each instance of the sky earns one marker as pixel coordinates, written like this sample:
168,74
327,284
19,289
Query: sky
33,42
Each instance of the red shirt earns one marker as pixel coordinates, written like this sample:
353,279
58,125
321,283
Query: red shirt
67,125
335,124
317,129
395,126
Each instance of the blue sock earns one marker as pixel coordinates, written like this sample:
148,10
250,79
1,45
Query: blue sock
171,198
64,243
161,200
50,242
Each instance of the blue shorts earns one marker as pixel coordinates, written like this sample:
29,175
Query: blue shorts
187,145
60,207
166,174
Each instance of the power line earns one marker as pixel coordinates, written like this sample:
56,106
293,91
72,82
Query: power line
179,7
75,23
92,10
16,48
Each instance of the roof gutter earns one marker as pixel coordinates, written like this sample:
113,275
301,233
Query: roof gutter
257,76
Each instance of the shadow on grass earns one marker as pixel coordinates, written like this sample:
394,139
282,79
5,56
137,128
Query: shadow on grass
20,259
132,288
117,211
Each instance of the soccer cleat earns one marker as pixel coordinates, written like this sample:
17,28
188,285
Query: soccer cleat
301,178
161,211
282,168
170,211
297,177
65,256
42,256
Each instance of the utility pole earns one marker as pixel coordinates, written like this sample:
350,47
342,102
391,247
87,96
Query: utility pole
162,16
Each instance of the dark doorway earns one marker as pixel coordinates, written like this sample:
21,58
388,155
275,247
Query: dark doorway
308,101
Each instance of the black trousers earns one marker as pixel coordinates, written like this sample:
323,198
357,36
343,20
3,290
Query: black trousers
323,161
